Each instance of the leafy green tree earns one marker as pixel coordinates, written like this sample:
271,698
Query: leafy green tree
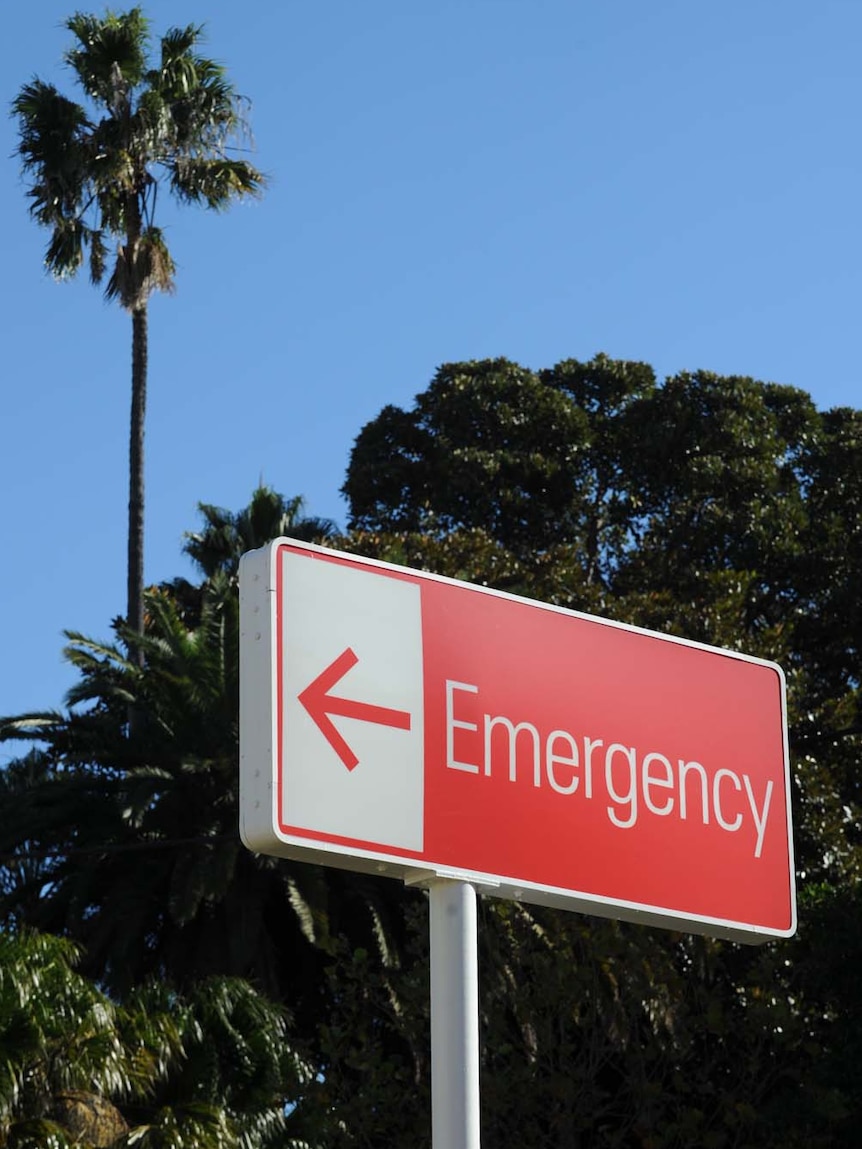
511,476
210,1071
95,169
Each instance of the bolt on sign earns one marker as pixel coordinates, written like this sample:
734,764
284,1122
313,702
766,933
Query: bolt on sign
404,723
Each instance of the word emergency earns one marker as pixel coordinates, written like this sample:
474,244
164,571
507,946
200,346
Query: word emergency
633,782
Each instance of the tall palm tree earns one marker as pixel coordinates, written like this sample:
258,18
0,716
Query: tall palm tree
95,170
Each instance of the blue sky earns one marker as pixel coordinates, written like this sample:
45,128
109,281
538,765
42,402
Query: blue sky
674,181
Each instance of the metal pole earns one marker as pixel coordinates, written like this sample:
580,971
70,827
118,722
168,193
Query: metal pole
454,1016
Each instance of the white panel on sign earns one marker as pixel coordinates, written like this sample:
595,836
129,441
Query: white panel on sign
353,751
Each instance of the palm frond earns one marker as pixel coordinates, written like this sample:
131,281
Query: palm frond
178,76
125,834
98,252
226,536
214,181
178,42
36,725
108,652
152,122
111,56
49,124
52,147
65,251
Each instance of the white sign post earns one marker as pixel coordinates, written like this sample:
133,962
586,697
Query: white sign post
454,1016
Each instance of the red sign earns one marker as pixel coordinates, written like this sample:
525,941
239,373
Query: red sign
397,721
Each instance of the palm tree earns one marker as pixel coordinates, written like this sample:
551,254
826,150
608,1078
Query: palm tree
95,171
209,1070
227,535
61,1057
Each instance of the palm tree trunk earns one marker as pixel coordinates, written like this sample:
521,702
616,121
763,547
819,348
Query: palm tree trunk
135,611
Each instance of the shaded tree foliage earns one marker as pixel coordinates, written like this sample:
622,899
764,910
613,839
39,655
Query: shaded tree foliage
161,1071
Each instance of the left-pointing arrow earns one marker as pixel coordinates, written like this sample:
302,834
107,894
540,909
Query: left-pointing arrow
320,704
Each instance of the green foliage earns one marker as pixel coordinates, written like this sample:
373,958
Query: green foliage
501,472
210,1071
226,536
94,169
374,1088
